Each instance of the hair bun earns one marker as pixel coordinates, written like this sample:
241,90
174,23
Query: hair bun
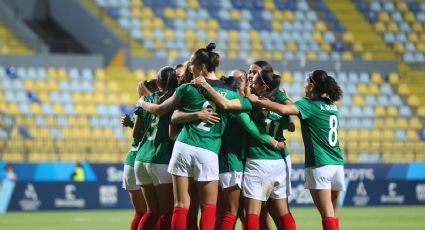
210,47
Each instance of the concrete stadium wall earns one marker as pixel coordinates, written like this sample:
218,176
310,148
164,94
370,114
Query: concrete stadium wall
10,15
67,61
86,28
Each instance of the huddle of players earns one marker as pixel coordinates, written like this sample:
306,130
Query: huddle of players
197,133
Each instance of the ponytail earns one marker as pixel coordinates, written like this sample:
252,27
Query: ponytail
324,84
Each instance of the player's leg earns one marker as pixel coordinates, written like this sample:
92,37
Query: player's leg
135,193
164,188
151,216
335,198
181,187
192,217
231,207
207,191
264,218
319,182
252,210
220,208
181,170
281,214
166,203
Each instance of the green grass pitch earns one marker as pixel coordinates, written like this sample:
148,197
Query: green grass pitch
376,218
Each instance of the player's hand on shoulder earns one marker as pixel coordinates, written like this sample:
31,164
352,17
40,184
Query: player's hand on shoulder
209,116
253,98
199,80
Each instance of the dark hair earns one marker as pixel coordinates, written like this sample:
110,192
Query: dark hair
324,84
167,78
272,82
207,56
150,85
187,75
235,82
178,66
264,65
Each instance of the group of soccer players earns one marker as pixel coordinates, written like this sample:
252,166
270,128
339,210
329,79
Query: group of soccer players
200,141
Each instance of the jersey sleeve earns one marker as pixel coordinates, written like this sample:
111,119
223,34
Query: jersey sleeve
250,126
281,96
304,106
246,104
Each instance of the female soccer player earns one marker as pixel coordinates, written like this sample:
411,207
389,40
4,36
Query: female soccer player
324,171
154,155
129,176
195,151
267,171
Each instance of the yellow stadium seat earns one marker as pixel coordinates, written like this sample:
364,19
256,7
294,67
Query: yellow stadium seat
417,27
364,134
51,72
213,24
100,74
399,47
277,55
147,33
401,6
401,122
62,74
287,77
421,111
320,26
412,134
146,12
277,25
232,54
292,46
235,14
348,37
392,111
420,46
288,15
376,77
29,84
358,100
43,96
380,27
393,27
135,12
277,14
311,55
393,78
169,34
233,35
388,134
413,100
353,134
383,16
380,111
374,89
193,3
415,123
201,23
58,109
317,36
409,17
159,44
389,122
36,108
358,47
362,89
413,37
403,89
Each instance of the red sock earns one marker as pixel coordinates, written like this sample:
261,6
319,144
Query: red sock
288,222
192,223
148,221
228,222
330,223
252,222
178,221
136,219
164,222
337,222
208,216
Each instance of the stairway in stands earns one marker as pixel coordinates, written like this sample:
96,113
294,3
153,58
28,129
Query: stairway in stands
360,31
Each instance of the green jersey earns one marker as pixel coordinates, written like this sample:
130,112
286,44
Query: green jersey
273,124
281,96
319,126
199,133
157,145
232,152
131,154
